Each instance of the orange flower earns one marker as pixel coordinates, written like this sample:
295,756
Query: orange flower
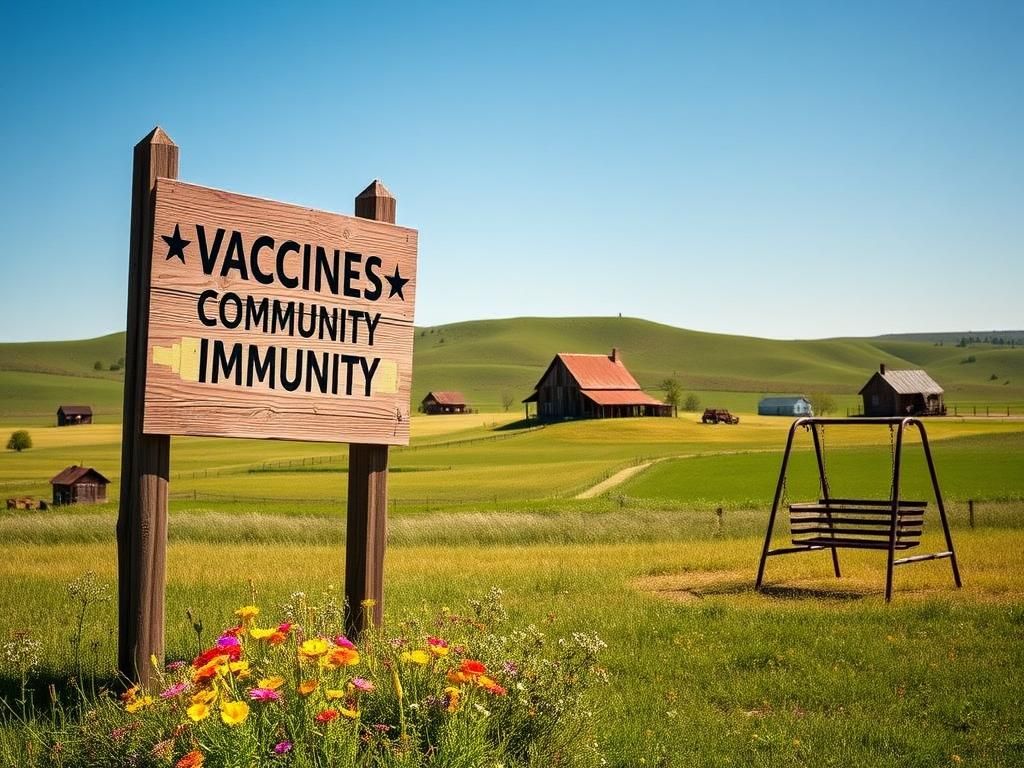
193,759
306,687
342,657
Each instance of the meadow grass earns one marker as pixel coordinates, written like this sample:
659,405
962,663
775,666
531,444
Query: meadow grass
704,671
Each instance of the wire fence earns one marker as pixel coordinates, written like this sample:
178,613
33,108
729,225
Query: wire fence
966,409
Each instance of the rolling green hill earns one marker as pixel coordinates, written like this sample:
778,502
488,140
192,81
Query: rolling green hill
488,358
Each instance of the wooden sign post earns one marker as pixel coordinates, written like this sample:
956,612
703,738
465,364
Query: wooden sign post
258,319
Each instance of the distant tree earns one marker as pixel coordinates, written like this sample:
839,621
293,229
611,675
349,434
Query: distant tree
993,377
822,404
20,440
507,400
673,391
692,403
98,365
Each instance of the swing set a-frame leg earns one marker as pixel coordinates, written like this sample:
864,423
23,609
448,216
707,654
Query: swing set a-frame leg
942,507
775,505
823,480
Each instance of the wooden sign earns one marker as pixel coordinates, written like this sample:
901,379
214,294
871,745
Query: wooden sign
270,320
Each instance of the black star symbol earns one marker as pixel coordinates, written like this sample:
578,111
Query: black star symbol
176,244
397,282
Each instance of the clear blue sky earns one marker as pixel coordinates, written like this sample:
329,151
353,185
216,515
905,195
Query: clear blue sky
790,170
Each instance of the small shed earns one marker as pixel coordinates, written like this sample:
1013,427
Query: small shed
68,415
591,386
444,402
79,485
785,406
902,393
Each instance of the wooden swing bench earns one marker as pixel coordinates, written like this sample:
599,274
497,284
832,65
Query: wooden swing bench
891,525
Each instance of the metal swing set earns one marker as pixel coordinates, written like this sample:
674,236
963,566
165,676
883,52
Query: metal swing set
891,525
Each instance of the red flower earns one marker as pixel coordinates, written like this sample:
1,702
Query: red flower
232,652
472,668
327,715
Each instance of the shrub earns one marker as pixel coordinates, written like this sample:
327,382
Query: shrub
454,690
98,365
692,403
19,441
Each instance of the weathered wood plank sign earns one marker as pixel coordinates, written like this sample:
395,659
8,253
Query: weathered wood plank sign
252,318
270,320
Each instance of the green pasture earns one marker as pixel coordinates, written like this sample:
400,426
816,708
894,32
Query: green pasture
490,460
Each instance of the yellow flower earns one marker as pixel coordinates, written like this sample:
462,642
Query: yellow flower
240,669
351,714
306,687
418,656
198,711
247,612
273,683
205,696
314,648
234,712
334,693
452,695
136,704
261,634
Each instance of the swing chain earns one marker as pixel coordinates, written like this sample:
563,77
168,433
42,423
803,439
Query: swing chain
824,466
892,461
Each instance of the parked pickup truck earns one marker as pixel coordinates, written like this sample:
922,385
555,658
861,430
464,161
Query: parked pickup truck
719,416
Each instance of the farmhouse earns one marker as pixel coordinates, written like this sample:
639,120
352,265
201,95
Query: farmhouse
785,406
902,393
444,402
79,485
67,415
591,386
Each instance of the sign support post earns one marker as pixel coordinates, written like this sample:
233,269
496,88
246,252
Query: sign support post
366,527
145,459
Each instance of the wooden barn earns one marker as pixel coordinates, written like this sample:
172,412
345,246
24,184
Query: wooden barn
591,387
79,485
67,415
902,393
444,402
785,406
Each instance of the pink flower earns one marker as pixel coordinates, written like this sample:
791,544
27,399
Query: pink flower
362,684
174,690
227,640
174,666
344,642
282,747
264,694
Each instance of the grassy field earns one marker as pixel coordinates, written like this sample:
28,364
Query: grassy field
703,670
491,358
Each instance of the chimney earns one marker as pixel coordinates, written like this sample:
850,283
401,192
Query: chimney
614,355
881,368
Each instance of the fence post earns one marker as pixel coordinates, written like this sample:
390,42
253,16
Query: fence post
970,512
367,486
145,459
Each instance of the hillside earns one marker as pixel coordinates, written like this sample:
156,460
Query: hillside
488,358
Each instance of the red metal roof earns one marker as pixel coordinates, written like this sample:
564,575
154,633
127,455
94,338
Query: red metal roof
620,397
598,372
446,398
73,474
